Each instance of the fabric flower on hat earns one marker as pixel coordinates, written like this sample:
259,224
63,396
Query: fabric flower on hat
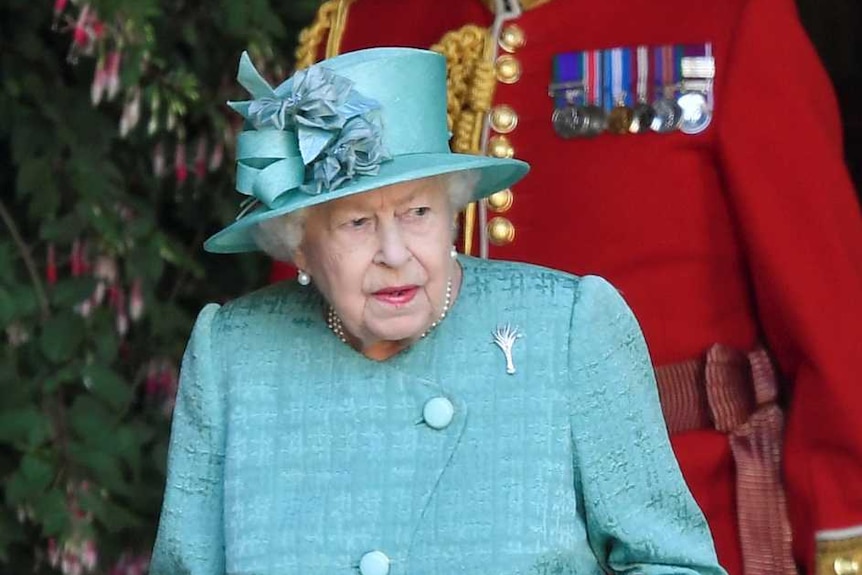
317,97
358,151
335,127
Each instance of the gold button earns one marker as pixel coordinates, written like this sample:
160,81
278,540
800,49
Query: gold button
500,147
503,119
501,231
512,37
508,69
501,201
846,566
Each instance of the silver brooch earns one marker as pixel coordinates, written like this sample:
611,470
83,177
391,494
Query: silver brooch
505,337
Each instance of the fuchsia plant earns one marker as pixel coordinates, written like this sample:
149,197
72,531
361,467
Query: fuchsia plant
112,155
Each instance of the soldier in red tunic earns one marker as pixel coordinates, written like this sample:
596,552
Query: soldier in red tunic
727,219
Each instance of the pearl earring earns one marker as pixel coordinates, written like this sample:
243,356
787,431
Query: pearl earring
453,253
302,278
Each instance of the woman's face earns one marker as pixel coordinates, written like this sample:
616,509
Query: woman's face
382,259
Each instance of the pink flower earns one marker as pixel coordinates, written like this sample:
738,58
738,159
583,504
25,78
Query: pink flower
131,113
181,170
159,160
59,6
112,71
117,300
97,88
89,555
70,564
85,31
153,124
217,156
106,269
17,334
51,266
168,385
136,301
85,258
53,552
151,384
201,158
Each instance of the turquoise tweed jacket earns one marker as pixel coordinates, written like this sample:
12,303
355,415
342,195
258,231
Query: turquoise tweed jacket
291,453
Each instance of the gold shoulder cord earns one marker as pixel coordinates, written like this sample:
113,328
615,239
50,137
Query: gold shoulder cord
470,91
331,17
470,79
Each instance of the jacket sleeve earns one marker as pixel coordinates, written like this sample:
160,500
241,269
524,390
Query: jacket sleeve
190,538
639,514
780,146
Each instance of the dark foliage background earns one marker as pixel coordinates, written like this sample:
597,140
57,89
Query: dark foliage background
114,166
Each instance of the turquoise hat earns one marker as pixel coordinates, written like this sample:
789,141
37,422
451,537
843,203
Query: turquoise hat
349,124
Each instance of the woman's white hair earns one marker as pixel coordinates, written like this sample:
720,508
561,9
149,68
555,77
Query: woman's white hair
280,237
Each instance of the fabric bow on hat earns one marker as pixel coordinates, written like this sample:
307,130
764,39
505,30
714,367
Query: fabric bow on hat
313,133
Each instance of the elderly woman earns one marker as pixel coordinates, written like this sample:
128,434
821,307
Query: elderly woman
401,409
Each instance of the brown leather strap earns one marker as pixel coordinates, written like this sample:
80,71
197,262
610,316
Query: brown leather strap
735,393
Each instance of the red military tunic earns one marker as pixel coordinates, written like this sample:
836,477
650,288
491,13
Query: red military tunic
747,233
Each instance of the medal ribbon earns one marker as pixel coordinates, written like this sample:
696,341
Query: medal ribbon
626,94
568,78
617,68
593,76
667,70
703,51
642,73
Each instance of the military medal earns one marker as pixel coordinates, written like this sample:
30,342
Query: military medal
569,121
697,69
633,90
696,114
668,114
643,113
618,91
569,92
597,119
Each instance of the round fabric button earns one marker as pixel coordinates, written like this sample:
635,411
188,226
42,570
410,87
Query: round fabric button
438,412
374,563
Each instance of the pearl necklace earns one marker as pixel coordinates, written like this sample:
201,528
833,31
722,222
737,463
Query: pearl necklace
333,322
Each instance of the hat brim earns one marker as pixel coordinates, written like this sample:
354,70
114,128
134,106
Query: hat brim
495,174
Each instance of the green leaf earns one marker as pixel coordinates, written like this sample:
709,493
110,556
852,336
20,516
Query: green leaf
52,511
61,336
8,258
37,472
67,374
145,261
112,516
64,229
91,422
128,446
24,427
108,385
105,469
29,481
72,291
7,307
171,252
24,301
10,532
107,345
36,181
